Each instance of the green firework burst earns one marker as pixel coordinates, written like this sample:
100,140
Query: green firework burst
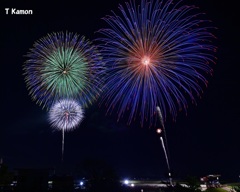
63,66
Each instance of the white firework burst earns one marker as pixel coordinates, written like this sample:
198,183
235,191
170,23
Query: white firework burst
65,115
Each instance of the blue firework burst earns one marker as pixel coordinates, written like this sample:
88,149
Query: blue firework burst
157,54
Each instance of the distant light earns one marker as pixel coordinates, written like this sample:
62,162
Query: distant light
126,182
50,182
81,183
132,185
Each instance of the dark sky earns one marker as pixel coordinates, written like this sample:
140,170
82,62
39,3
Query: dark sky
206,141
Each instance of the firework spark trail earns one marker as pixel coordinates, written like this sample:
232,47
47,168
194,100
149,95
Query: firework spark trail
160,116
156,54
163,127
165,153
62,143
63,134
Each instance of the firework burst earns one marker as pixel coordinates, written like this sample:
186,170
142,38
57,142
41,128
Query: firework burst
63,66
156,54
65,115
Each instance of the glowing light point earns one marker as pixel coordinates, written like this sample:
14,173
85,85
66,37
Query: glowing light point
146,61
159,131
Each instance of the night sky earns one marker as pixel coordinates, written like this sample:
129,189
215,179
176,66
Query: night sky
206,141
